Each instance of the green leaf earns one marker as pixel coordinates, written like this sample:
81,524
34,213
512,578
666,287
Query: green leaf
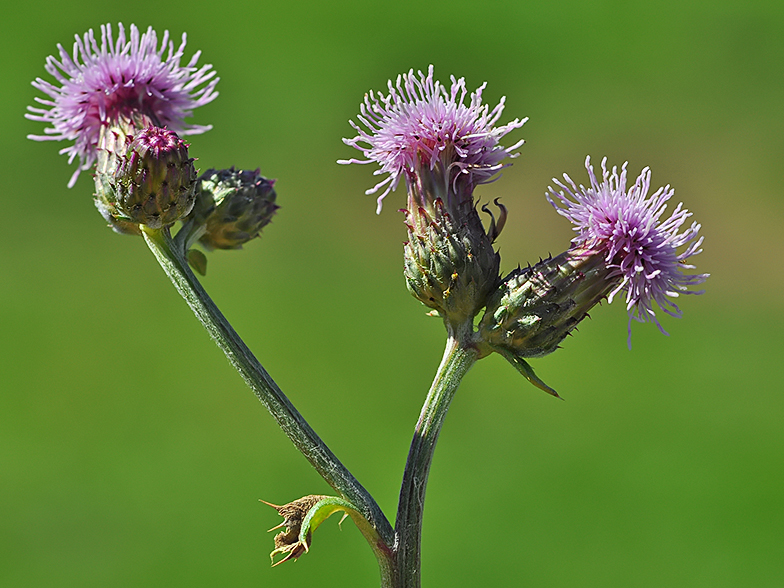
524,368
198,261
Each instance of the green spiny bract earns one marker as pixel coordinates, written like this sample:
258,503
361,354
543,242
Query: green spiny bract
536,307
144,176
234,206
449,267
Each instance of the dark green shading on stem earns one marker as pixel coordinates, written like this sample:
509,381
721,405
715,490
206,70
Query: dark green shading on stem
305,439
459,355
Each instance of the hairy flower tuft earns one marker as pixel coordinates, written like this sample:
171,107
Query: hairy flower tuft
119,78
421,124
640,249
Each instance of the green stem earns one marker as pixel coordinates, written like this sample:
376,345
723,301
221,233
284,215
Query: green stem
173,262
459,356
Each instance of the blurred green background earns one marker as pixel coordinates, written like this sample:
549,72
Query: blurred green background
132,455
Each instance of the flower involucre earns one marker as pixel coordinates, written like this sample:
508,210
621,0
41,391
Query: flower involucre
640,248
100,83
421,123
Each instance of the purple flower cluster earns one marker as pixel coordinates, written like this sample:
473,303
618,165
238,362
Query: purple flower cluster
156,142
121,77
420,124
625,227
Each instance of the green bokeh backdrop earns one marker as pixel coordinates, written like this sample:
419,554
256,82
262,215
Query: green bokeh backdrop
132,455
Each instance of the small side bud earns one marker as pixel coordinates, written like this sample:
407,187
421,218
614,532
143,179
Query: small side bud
144,176
234,206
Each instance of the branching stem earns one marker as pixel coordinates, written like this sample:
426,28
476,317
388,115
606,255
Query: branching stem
172,259
398,551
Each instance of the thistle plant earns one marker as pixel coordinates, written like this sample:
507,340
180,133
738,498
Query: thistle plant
99,84
122,105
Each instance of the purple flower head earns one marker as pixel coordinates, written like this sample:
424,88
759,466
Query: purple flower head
420,124
625,226
101,83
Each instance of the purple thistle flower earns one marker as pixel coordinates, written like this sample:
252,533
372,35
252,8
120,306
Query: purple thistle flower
640,248
99,84
420,124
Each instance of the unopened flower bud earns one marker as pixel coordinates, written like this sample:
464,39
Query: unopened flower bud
143,176
536,307
234,206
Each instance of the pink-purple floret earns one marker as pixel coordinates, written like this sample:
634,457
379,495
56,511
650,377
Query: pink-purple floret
626,227
98,83
418,122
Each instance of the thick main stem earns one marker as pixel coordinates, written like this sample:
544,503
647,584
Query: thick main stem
266,390
459,356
